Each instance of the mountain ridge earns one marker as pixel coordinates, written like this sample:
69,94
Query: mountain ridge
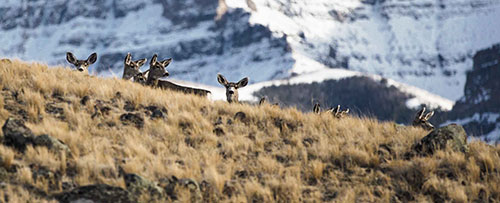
428,44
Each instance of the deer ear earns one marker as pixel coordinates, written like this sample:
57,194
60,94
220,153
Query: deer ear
70,57
262,101
336,110
420,114
141,62
243,82
429,115
146,73
316,108
153,60
221,79
165,63
128,58
92,58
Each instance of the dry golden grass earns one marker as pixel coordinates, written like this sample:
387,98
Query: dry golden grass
270,155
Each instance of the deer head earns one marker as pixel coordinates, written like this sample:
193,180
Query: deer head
132,68
157,69
81,65
141,78
337,112
231,87
422,119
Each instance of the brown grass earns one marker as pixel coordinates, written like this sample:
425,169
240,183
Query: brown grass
271,155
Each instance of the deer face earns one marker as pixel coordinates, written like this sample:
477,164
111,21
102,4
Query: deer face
422,120
157,68
81,65
132,68
141,77
231,87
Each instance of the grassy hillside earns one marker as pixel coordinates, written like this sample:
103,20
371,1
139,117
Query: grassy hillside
233,152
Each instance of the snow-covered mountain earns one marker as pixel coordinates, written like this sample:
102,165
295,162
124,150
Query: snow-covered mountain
425,43
479,109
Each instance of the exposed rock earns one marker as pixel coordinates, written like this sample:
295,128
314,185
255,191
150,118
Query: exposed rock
129,106
230,189
218,121
68,185
132,118
85,100
97,193
156,112
44,175
451,136
4,174
193,187
218,131
55,110
53,144
16,134
241,116
100,109
168,185
189,183
139,185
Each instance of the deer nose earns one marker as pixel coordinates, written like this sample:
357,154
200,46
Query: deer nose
80,69
230,92
166,74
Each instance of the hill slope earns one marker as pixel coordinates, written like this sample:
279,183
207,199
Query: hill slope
121,136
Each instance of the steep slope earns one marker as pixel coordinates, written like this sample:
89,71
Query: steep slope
479,109
88,138
428,44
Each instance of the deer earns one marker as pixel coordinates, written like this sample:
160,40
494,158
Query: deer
132,68
141,77
232,88
81,65
336,112
156,71
422,120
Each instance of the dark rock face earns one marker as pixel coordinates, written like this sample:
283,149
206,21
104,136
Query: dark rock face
16,134
481,100
449,137
194,11
241,116
135,119
43,174
155,112
168,185
97,193
51,143
138,185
